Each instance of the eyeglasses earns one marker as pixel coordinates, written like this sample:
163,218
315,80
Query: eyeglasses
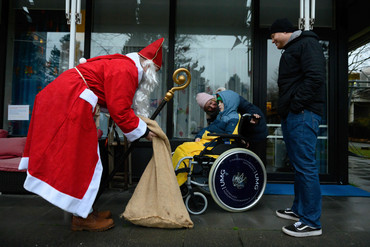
219,99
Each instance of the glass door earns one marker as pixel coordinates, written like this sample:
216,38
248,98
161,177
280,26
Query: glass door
38,44
213,41
129,26
277,158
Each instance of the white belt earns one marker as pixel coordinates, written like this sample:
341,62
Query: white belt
82,77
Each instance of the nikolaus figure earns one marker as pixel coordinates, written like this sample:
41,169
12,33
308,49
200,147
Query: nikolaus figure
62,153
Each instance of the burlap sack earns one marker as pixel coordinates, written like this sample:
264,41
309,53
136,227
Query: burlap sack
157,200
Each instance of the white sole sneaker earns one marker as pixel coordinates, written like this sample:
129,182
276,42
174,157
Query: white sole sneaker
287,214
300,230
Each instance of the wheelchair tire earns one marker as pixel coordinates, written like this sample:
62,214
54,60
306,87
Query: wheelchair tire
237,180
196,203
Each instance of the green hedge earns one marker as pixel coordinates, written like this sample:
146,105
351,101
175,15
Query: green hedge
360,128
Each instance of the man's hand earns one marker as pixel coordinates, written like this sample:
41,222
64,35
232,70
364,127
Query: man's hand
150,136
197,139
255,118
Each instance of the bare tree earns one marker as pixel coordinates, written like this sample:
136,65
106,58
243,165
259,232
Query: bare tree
359,58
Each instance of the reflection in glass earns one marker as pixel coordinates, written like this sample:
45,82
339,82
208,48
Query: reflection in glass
40,54
129,26
217,53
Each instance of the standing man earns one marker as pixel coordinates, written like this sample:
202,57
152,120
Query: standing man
255,130
62,153
301,105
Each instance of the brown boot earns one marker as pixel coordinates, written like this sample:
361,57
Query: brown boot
102,214
92,223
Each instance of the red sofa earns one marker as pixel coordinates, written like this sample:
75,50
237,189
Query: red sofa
11,149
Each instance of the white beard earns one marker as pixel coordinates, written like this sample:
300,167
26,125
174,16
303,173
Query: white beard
146,86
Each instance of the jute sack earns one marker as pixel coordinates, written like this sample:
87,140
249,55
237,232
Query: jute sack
157,200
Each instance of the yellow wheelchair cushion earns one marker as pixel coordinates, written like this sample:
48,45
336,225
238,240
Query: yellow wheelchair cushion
191,149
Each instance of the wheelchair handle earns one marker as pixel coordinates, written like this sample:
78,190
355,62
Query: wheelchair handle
250,116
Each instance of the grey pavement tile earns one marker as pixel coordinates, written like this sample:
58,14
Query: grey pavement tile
141,236
278,238
117,236
212,237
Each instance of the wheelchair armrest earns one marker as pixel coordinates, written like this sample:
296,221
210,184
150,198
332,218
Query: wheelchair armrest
237,138
221,135
226,136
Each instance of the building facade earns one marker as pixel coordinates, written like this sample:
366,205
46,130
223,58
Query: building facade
222,44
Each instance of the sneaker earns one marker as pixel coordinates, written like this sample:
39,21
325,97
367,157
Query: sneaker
300,229
287,214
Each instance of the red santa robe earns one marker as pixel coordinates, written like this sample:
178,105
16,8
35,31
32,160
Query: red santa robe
62,154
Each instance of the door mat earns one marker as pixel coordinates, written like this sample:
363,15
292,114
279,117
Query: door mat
326,190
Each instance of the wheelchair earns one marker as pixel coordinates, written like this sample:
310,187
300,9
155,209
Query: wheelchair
234,176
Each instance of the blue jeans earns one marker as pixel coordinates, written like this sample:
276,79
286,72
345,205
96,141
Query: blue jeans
300,135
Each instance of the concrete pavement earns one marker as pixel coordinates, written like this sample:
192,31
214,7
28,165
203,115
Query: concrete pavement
28,220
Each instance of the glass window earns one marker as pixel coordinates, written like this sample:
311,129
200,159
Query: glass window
272,10
217,51
277,159
129,26
38,52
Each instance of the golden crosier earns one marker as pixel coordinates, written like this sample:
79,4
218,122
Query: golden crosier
178,79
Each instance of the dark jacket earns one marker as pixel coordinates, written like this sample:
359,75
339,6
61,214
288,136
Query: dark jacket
302,76
254,132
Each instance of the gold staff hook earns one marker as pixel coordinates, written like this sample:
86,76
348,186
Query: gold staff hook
178,79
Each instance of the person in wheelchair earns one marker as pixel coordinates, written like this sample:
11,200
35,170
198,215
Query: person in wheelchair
225,123
255,129
219,163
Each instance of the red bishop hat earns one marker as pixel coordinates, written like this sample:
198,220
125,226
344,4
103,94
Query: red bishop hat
153,52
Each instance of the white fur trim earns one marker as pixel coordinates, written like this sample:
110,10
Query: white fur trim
136,58
90,97
138,132
66,202
24,163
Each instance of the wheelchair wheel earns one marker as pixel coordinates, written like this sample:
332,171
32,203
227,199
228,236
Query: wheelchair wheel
197,203
237,180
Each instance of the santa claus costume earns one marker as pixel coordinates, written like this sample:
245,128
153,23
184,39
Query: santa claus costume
62,154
